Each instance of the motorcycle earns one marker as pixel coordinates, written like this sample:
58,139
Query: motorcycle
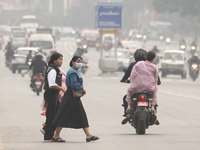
37,82
182,47
84,67
142,115
144,38
194,71
193,50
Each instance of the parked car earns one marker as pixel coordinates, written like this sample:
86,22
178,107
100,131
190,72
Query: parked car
19,58
123,56
174,62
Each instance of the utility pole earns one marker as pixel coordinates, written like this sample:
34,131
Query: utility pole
50,6
65,6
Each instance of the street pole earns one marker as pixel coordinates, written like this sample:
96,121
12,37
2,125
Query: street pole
50,6
65,5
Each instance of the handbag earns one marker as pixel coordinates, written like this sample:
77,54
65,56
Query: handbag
77,93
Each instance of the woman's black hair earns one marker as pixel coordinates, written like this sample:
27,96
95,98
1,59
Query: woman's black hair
74,59
54,56
151,55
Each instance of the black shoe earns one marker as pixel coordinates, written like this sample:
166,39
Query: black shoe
157,122
124,121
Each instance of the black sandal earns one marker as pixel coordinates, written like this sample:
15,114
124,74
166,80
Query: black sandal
93,138
58,140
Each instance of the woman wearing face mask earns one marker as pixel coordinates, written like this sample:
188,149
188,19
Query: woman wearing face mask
71,113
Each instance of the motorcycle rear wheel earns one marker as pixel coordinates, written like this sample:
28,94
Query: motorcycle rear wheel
141,127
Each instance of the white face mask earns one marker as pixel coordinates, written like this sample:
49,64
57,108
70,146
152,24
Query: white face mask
78,65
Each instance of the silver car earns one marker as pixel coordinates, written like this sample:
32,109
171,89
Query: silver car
20,56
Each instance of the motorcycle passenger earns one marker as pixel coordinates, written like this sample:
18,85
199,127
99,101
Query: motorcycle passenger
144,77
193,60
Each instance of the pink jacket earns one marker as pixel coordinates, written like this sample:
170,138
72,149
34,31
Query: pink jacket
144,76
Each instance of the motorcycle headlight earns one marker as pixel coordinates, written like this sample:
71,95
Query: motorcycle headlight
29,63
182,46
193,47
144,36
84,46
161,37
194,66
168,40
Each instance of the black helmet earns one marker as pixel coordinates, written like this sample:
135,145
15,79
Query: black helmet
39,56
140,54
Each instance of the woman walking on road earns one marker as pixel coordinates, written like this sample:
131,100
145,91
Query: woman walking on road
71,113
52,87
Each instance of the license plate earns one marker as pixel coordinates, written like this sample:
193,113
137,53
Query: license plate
172,70
142,104
38,83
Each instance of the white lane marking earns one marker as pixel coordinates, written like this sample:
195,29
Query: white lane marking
180,95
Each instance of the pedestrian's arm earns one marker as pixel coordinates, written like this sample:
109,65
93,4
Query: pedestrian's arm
74,82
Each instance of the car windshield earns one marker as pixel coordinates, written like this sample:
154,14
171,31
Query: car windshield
91,35
131,45
18,34
120,54
177,56
41,44
24,52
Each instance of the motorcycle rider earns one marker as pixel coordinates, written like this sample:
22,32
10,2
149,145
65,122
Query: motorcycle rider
182,42
85,56
29,56
193,60
156,50
9,51
194,44
37,66
78,52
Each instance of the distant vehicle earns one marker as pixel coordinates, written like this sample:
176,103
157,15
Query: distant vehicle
18,37
43,41
67,32
132,46
123,56
91,37
29,22
19,58
174,62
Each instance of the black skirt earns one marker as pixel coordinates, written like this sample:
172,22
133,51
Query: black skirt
71,113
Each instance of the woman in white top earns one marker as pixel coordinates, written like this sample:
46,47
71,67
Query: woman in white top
52,87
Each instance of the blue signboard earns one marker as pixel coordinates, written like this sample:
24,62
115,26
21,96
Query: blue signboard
109,18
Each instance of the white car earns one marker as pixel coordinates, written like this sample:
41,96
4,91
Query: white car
19,58
123,56
174,62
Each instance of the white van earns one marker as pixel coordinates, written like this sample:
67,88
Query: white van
43,41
